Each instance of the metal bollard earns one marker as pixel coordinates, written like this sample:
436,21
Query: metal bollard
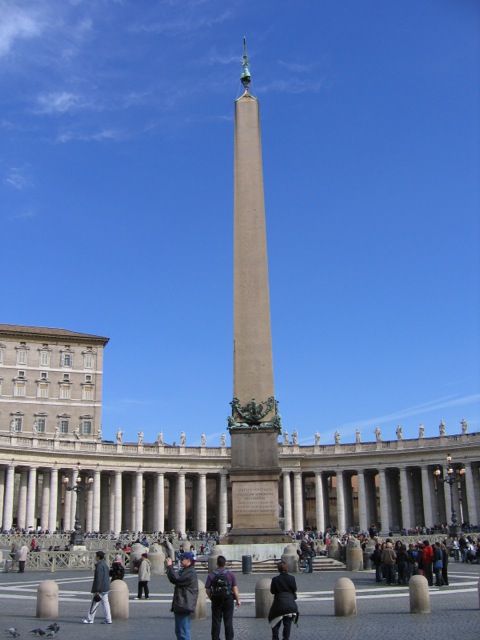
344,598
47,599
263,598
419,595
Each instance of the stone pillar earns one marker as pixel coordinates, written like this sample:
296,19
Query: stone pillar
201,518
107,503
139,500
52,511
45,499
384,517
427,497
180,524
470,491
97,479
404,493
263,598
223,503
31,497
2,491
362,502
344,598
298,500
447,498
159,511
70,503
8,503
340,504
47,600
118,502
89,509
419,595
118,598
319,507
22,500
287,502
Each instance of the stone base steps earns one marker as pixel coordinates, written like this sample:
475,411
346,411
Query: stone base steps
270,566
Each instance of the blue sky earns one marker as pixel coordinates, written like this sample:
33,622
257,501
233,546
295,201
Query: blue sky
116,203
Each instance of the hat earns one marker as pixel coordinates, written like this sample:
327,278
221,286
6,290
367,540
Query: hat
118,558
187,556
145,554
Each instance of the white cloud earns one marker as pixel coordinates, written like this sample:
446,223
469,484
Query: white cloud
16,24
17,179
99,136
59,102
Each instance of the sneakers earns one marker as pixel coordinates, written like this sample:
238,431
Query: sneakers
87,621
106,622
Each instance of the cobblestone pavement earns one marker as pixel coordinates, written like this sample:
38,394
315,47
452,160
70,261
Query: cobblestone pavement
382,612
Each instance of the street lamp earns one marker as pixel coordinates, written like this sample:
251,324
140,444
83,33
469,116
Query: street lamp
452,476
79,487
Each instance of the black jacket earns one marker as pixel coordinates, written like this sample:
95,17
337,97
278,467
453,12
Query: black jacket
284,589
186,589
101,578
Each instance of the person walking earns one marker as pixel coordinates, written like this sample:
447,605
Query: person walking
222,589
143,576
284,608
100,589
185,593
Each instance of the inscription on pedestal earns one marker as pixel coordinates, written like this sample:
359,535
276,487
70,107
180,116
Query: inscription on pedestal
255,505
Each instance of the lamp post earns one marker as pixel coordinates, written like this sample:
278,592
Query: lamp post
453,475
80,488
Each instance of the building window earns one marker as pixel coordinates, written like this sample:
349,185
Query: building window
88,360
41,425
44,358
42,390
65,392
66,377
43,375
2,348
21,357
21,374
19,388
18,421
87,392
64,425
86,427
88,378
66,358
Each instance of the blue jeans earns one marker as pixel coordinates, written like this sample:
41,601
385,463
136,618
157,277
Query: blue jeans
182,626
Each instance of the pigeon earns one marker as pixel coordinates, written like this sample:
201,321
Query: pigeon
13,632
38,632
53,627
50,634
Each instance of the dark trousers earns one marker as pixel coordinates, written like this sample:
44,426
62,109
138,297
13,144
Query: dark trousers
21,566
427,572
143,587
287,625
222,610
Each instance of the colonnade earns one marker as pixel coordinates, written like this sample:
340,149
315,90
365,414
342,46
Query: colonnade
138,487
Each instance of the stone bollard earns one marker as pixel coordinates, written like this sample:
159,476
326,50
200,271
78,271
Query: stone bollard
354,555
47,600
334,550
157,560
291,558
200,612
263,598
344,598
118,597
419,595
212,558
369,549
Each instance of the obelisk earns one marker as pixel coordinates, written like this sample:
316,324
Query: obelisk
255,423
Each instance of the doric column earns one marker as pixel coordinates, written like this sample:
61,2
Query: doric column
470,491
287,502
298,500
181,508
340,503
201,519
159,510
139,500
70,502
2,491
382,487
118,502
448,499
8,503
52,511
223,503
319,508
31,497
404,493
89,510
427,497
45,500
97,478
22,500
362,502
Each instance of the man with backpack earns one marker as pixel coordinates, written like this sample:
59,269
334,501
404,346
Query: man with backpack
222,589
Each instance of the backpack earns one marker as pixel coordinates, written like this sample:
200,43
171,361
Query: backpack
220,589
